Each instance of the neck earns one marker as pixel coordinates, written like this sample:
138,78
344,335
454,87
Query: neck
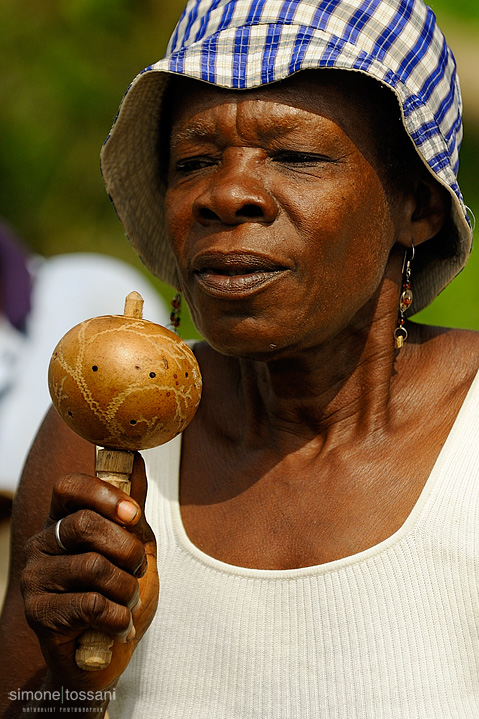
339,386
332,393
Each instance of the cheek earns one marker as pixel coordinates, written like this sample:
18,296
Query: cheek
364,235
347,240
349,221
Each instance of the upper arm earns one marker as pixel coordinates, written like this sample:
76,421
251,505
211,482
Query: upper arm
56,451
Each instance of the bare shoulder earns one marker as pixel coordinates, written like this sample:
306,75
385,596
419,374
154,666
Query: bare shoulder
450,346
445,363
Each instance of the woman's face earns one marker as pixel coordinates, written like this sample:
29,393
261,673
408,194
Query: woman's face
278,213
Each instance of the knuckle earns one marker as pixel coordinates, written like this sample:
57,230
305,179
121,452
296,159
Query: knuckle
92,606
83,524
92,567
37,579
71,489
133,551
64,486
38,614
99,612
33,559
31,547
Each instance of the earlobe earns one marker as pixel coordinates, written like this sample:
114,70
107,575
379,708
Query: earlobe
431,208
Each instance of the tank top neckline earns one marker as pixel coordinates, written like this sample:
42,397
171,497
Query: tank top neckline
405,530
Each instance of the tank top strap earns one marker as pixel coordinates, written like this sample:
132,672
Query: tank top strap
163,471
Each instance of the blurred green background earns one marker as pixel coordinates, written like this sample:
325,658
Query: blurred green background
66,64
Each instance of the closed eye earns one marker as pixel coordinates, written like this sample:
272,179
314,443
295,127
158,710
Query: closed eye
290,157
193,164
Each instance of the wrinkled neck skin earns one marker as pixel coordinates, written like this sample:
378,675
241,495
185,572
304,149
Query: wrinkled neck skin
338,392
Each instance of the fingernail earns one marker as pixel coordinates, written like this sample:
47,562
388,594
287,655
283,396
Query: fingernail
127,511
137,607
131,631
141,571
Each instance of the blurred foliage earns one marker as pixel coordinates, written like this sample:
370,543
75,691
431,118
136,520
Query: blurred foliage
458,304
465,10
66,65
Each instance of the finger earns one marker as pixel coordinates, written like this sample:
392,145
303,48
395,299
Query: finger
70,614
88,572
77,491
86,531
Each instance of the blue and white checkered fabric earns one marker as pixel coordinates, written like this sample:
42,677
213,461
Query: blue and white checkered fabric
242,44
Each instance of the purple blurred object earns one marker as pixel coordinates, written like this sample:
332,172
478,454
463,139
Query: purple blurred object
15,279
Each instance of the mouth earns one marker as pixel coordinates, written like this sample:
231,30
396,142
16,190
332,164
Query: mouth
236,274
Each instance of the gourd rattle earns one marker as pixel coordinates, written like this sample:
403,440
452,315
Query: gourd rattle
124,384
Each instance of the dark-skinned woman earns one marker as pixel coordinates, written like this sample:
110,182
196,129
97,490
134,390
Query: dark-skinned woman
292,167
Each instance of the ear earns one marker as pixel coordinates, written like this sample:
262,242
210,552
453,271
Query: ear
426,209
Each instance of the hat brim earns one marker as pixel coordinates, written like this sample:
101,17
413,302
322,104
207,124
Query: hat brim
130,163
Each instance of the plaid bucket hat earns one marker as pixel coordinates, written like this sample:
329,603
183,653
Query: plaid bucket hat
241,44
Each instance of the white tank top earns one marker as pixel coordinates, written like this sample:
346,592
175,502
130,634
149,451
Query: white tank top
389,633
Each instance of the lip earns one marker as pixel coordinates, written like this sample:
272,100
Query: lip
236,274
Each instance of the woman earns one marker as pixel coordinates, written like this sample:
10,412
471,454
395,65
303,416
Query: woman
315,547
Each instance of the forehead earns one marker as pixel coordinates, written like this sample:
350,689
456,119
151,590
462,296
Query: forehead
319,93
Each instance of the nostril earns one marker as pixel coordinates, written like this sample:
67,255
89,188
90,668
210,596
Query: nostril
250,211
207,214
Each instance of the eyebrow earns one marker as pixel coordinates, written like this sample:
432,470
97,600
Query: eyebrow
195,131
206,130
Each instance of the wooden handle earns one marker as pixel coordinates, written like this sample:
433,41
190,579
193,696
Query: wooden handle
94,648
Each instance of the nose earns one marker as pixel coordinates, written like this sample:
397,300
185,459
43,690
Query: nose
236,192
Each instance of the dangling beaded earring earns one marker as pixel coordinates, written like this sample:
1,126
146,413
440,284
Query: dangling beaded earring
405,301
175,315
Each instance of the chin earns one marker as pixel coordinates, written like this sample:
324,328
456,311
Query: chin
254,345
243,338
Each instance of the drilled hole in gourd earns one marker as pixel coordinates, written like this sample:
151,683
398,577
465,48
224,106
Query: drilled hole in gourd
132,421
95,368
152,374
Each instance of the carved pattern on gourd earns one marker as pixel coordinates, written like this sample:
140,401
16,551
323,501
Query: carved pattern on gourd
157,377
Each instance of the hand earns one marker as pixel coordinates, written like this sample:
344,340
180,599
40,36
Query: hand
107,580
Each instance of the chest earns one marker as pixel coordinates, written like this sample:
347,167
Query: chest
270,502
304,509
